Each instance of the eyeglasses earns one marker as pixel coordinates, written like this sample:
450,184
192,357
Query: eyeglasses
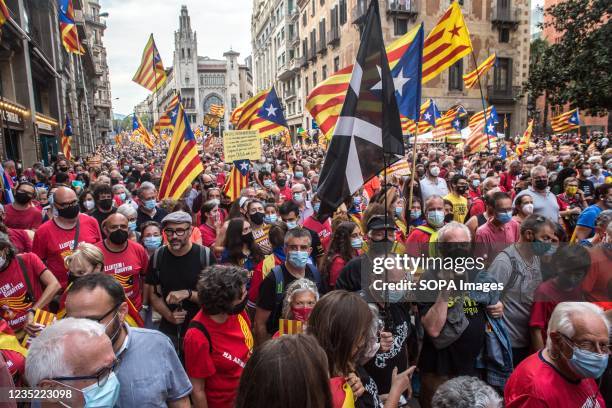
99,320
101,376
178,232
589,345
64,205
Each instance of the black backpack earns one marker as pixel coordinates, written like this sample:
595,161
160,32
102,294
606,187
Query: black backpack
204,253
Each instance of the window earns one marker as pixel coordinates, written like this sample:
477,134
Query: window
313,42
342,12
306,84
455,76
337,64
182,53
304,20
502,75
314,79
323,72
201,80
299,81
400,26
312,8
322,2
322,32
504,35
305,48
189,53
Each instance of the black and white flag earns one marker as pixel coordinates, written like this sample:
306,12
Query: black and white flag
368,132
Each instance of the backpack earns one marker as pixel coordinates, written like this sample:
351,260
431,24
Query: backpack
30,293
514,275
199,326
204,253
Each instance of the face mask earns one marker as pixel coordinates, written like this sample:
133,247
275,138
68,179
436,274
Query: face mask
104,396
105,204
551,251
571,190
132,225
356,243
247,238
588,364
596,167
152,242
435,218
475,183
257,218
461,189
215,201
299,174
528,209
237,309
292,224
126,168
118,237
415,214
270,218
150,204
434,171
22,197
396,296
541,184
122,196
298,258
504,217
268,183
69,213
540,248
316,207
398,211
63,169
2,262
89,204
281,182
448,218
298,197
586,173
301,313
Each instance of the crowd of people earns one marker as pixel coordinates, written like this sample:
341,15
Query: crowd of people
257,301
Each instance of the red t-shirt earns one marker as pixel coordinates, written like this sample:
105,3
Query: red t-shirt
232,343
417,243
546,297
507,181
286,192
52,244
323,230
20,239
595,284
536,384
14,302
478,207
30,218
209,235
335,269
128,267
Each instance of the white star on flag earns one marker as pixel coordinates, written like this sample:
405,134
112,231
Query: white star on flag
399,82
427,116
271,110
490,128
244,166
173,113
456,123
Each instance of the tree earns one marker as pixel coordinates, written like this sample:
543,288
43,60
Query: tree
575,68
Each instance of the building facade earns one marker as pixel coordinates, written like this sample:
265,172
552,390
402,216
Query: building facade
201,81
40,83
329,35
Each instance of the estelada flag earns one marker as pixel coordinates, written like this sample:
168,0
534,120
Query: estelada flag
41,317
342,395
287,326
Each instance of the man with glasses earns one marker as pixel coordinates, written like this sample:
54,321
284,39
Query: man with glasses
23,214
145,381
148,210
59,237
565,372
174,270
75,356
544,201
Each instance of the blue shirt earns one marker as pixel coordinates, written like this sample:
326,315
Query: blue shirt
588,217
150,372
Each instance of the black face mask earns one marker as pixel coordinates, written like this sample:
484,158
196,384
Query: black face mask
63,169
247,238
105,204
448,218
22,197
455,250
69,212
541,184
114,181
208,185
281,182
462,189
118,237
498,167
237,309
72,278
257,218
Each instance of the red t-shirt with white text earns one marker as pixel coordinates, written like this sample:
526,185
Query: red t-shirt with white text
14,302
232,343
322,229
128,267
52,244
29,219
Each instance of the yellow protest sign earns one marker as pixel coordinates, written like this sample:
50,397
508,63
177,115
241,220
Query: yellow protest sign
241,145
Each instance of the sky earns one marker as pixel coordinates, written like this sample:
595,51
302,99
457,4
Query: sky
220,24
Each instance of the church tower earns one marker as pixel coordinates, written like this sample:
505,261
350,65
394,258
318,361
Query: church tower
186,64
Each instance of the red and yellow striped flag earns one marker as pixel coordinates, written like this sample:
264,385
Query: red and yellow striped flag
151,73
448,42
325,101
524,143
287,326
476,118
66,139
217,110
342,394
41,317
565,122
471,78
164,122
251,120
4,13
237,180
477,139
141,133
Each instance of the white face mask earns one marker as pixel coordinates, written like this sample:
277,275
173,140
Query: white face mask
528,209
434,171
89,204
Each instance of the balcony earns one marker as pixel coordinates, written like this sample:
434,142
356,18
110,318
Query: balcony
294,39
333,36
284,72
294,14
91,19
359,12
296,63
505,17
290,94
106,103
403,7
104,123
303,61
312,56
322,46
502,95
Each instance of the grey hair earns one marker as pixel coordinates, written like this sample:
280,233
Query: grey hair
298,286
466,392
127,210
561,319
451,226
46,357
538,170
431,198
604,218
146,186
298,232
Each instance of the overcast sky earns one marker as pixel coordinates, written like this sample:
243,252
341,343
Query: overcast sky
219,24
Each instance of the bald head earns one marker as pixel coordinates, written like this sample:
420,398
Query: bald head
64,195
113,223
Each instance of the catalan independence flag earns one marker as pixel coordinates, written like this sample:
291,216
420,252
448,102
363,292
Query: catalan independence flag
151,73
4,13
342,395
524,142
217,110
66,139
471,78
164,122
183,163
140,131
263,113
566,121
237,180
68,29
448,42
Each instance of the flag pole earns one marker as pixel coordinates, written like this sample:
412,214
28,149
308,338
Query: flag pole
482,99
80,64
413,169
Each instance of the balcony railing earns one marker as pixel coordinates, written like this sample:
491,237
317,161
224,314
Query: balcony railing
322,45
333,36
104,123
94,20
303,61
294,14
285,72
290,94
313,53
296,63
407,7
359,11
506,94
505,16
102,102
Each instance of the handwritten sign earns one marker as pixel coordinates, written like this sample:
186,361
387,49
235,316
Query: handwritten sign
241,145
